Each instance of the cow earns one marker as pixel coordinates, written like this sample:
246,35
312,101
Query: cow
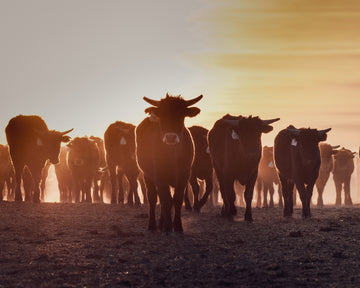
31,143
297,159
84,162
100,177
201,169
64,177
342,171
326,154
6,173
267,177
235,150
165,154
119,139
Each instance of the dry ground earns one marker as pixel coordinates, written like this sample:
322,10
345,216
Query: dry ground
103,245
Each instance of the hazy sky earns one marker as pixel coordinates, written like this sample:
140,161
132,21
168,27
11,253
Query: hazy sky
84,64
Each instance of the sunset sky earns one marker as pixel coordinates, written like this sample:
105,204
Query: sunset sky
84,64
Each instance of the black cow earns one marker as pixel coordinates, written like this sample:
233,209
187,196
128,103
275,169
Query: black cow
201,169
343,169
297,159
326,154
165,153
235,149
31,143
119,140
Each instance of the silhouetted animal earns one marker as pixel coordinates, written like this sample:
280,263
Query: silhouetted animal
235,149
165,153
343,169
121,161
100,177
201,169
31,143
83,161
64,177
297,159
6,173
44,175
326,154
267,177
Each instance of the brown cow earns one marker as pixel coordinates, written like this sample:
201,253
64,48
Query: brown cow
83,161
326,154
343,168
31,143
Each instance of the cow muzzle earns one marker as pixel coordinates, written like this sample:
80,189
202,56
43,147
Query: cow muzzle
171,138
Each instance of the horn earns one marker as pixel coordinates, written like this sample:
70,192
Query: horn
63,133
155,103
267,122
324,131
232,123
193,101
335,147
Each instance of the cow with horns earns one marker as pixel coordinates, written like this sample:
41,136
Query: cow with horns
235,149
31,143
165,153
297,159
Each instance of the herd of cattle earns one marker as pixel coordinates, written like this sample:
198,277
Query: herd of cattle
166,159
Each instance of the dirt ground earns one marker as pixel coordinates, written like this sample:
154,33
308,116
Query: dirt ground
103,245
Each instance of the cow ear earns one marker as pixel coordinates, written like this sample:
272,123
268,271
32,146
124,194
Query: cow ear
322,137
334,152
151,110
65,138
266,128
192,112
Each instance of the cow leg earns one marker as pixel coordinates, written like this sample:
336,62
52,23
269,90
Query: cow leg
178,199
320,191
2,184
120,179
96,196
87,190
113,181
209,188
186,199
143,188
338,188
152,197
133,195
36,175
166,202
265,201
305,197
287,192
271,192
281,204
230,209
259,188
348,200
195,188
18,176
249,191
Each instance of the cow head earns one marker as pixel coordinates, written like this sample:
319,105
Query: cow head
50,141
343,156
326,150
307,141
171,112
248,131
